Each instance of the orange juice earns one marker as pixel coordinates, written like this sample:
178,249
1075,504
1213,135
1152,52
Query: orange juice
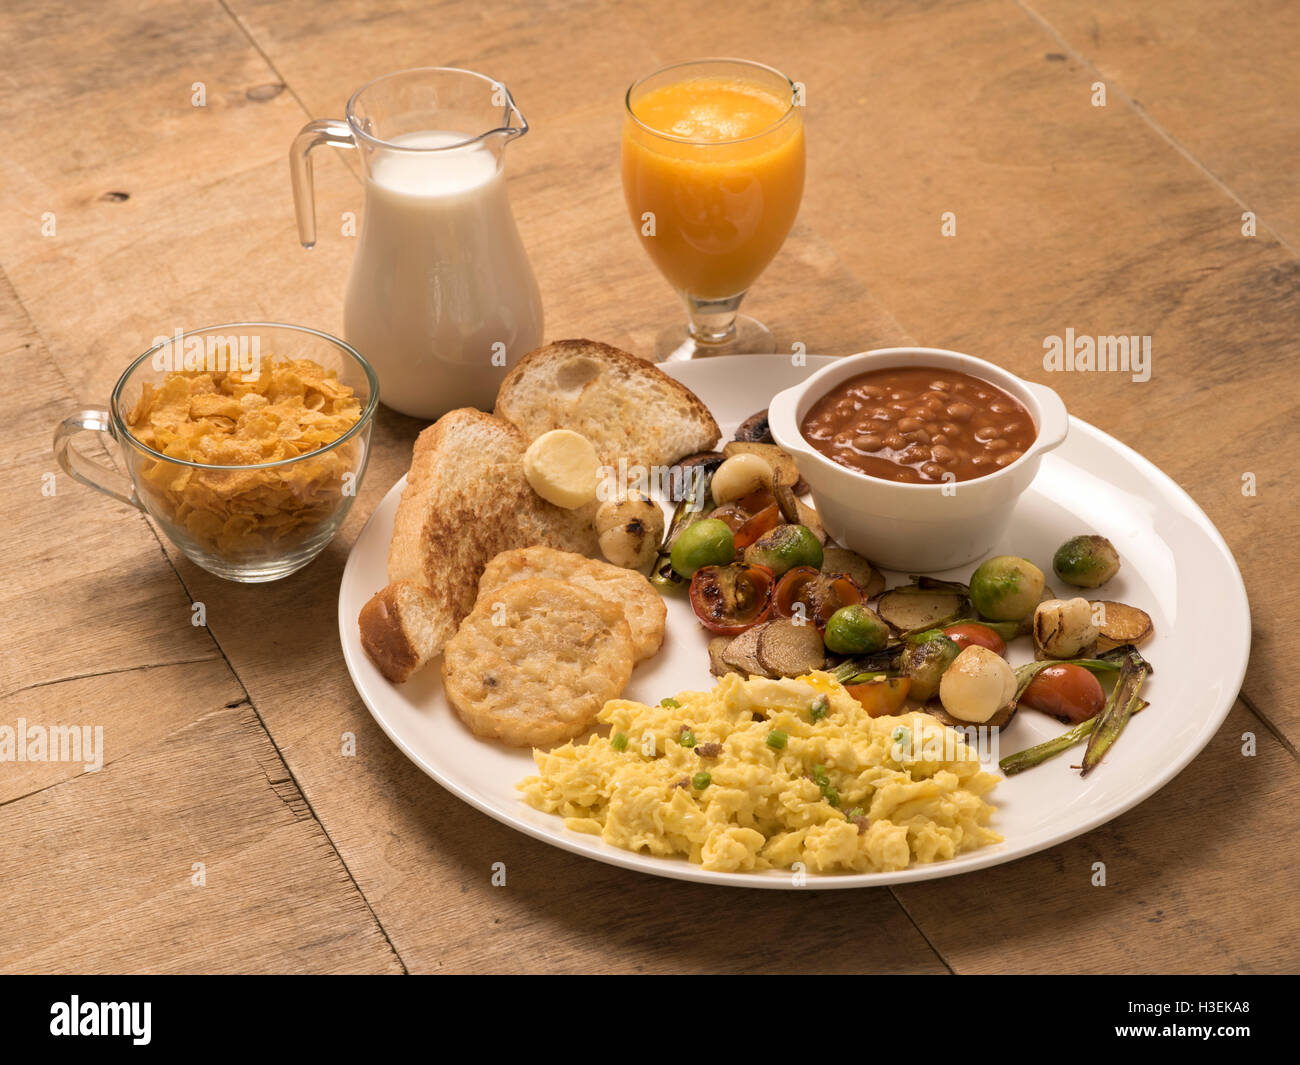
719,164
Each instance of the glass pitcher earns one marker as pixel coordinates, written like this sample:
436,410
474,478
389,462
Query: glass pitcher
441,299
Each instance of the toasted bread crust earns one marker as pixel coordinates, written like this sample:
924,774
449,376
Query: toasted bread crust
647,445
383,638
466,500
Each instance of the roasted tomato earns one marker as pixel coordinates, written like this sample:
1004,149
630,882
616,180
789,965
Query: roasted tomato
764,521
970,633
730,599
756,501
881,698
821,594
1067,692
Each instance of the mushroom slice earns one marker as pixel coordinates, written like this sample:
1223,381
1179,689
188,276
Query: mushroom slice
864,574
742,653
1122,624
789,650
718,665
910,608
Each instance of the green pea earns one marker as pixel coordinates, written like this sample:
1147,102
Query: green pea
619,742
776,739
706,543
820,708
670,701
831,795
856,630
687,738
701,781
819,776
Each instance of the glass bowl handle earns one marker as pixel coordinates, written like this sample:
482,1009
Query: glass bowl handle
97,475
323,131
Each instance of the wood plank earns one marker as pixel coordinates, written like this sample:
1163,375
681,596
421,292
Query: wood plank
1219,77
1195,881
108,860
97,636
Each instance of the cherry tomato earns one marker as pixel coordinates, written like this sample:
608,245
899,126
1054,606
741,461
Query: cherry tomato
881,698
757,500
969,634
1066,691
764,521
821,594
731,515
730,599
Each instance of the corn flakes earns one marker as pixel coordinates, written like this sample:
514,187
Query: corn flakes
291,409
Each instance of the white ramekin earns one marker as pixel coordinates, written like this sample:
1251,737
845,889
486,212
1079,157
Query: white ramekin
914,527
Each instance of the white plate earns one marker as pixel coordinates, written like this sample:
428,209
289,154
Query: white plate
1175,566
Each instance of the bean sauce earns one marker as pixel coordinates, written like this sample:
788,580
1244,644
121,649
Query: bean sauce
920,425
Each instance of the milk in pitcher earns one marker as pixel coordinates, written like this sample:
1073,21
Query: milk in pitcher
441,298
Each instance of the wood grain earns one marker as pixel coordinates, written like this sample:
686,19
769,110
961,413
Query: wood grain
1123,219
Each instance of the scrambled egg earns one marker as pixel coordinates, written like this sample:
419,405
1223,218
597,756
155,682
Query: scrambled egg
761,774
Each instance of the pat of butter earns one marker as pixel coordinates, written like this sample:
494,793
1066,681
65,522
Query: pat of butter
562,468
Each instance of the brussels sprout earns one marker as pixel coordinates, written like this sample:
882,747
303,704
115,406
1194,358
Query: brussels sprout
706,543
1006,588
1086,561
924,660
783,548
856,630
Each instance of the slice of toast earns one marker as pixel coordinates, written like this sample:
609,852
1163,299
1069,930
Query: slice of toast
466,500
627,407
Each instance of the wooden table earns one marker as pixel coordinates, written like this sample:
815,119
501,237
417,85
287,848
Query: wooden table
130,211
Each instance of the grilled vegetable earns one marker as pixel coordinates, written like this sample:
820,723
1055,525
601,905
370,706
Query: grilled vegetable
882,697
977,685
739,475
1006,588
630,530
856,630
784,547
689,509
742,652
864,574
1066,691
718,647
913,608
729,599
1063,628
1086,561
1134,670
1039,753
806,595
975,634
925,658
706,543
758,525
1121,624
781,464
789,650
755,429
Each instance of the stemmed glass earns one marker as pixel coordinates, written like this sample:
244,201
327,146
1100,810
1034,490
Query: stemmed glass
713,172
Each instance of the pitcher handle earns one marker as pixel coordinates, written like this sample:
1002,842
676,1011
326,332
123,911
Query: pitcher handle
96,475
330,131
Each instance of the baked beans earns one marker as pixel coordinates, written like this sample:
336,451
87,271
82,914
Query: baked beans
921,425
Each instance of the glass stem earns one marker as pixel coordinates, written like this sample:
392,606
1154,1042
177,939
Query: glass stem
712,321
